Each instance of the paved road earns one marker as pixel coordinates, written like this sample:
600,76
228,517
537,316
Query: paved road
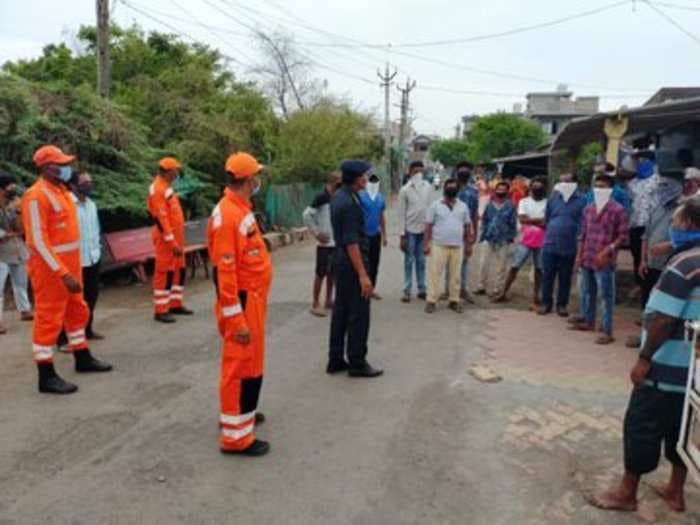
426,444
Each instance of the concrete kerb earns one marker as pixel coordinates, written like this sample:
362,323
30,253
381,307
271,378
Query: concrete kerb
276,240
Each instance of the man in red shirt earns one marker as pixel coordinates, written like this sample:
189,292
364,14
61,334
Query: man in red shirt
604,230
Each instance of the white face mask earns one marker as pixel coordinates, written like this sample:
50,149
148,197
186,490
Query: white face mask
373,189
417,177
601,196
566,189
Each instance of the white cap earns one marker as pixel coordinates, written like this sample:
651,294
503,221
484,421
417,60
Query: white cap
692,174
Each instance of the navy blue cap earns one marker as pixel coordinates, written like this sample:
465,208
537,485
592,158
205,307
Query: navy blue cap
353,169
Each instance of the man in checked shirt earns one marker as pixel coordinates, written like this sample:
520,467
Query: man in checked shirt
604,230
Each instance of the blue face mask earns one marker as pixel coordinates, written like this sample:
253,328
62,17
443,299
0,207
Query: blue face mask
681,238
65,173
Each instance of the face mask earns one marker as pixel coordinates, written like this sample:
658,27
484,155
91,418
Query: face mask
538,193
451,192
681,238
566,189
601,196
501,194
85,189
417,177
463,176
373,189
65,173
10,195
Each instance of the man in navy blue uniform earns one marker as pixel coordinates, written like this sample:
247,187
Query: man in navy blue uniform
350,322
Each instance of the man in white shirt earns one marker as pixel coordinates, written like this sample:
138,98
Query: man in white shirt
531,215
90,246
447,240
414,198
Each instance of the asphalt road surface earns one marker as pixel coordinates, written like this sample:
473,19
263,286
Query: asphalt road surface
428,443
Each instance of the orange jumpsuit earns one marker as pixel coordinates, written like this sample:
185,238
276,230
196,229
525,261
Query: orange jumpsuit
168,232
242,275
53,237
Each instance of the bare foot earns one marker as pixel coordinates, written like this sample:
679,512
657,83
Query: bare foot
676,502
318,312
613,500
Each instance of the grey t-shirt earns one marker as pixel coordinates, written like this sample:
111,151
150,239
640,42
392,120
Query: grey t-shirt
448,224
656,231
12,249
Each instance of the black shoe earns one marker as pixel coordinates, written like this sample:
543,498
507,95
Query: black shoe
335,367
51,383
260,418
56,385
544,310
164,318
257,448
85,362
562,312
94,336
422,296
366,371
181,310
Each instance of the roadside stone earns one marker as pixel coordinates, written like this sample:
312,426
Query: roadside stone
484,374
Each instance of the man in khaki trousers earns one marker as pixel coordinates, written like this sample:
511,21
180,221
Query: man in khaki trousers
447,238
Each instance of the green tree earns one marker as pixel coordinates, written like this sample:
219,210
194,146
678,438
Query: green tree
449,151
502,134
585,161
314,141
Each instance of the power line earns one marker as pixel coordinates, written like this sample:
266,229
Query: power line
490,36
503,94
176,30
678,6
672,21
443,63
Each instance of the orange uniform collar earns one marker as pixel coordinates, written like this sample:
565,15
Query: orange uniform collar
237,199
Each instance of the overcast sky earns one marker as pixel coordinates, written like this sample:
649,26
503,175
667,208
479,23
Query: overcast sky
622,54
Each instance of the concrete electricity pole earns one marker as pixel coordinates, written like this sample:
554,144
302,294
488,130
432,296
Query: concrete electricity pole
387,80
405,105
103,61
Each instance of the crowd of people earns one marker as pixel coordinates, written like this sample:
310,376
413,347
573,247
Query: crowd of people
566,233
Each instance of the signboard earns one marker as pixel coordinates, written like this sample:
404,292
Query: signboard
689,442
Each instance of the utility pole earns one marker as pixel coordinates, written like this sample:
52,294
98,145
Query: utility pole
405,105
103,61
387,79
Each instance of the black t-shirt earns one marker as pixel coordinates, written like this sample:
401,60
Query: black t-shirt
348,220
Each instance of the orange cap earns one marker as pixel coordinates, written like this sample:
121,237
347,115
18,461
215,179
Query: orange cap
242,166
169,163
51,155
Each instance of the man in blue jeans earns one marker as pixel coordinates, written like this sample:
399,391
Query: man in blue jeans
562,222
604,230
414,198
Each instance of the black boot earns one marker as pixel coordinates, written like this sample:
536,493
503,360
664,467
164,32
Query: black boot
164,318
85,362
181,310
51,383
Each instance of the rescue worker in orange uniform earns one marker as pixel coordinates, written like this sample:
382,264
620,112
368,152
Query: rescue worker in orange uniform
169,241
51,226
242,276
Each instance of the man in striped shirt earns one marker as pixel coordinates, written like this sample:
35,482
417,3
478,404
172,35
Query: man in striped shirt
656,405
